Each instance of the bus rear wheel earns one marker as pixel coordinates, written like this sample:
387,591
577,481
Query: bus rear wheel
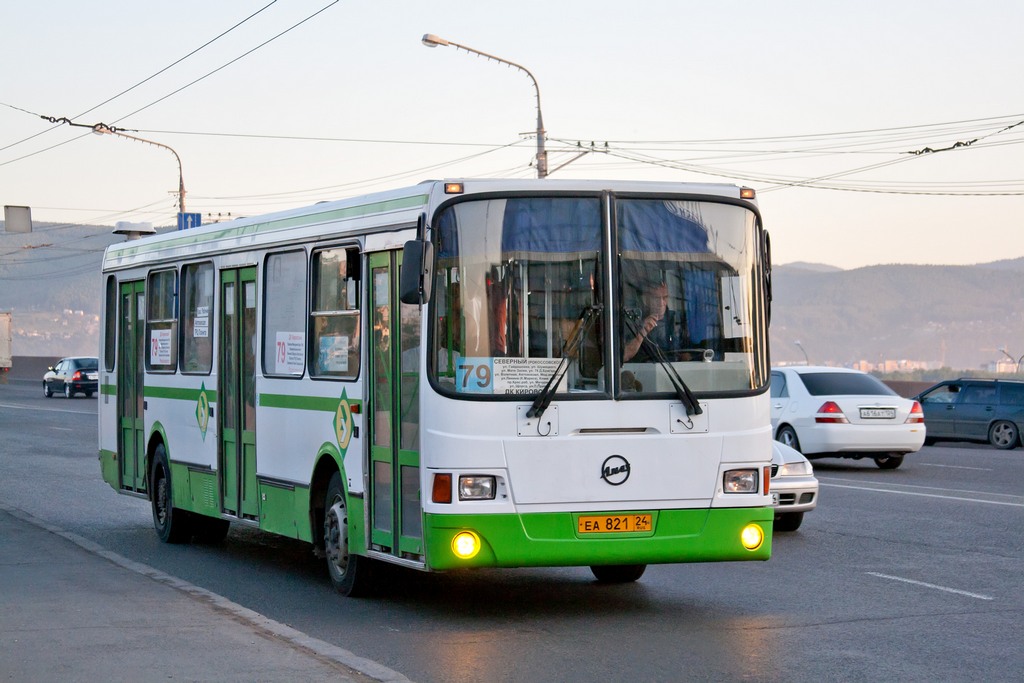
172,524
618,573
350,574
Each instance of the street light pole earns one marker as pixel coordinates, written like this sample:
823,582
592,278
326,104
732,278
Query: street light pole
800,346
103,129
430,40
1016,361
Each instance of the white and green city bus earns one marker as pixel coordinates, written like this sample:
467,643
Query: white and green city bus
449,376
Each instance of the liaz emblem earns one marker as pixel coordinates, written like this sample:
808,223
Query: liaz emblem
615,470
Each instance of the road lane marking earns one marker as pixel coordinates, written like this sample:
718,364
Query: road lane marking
47,410
978,596
934,495
957,467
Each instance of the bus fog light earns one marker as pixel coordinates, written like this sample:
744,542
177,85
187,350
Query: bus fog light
752,537
740,481
466,545
472,487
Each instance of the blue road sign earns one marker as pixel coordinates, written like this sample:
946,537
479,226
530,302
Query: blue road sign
189,220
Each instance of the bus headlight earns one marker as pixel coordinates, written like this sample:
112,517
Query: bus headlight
476,487
752,537
466,545
740,481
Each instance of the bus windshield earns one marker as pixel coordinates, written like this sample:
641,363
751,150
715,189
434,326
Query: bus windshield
521,284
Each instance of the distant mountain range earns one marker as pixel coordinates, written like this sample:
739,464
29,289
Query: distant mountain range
957,316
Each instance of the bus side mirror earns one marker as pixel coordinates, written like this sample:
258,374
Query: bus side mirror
417,272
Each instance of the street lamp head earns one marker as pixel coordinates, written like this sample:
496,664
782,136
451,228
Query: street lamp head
430,40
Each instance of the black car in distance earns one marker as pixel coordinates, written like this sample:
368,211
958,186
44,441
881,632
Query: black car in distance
79,375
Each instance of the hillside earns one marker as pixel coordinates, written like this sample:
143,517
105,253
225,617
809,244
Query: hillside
957,315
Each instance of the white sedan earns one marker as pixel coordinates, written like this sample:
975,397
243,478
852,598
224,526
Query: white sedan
842,413
793,487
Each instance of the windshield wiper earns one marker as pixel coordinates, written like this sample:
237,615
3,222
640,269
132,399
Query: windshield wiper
570,350
685,395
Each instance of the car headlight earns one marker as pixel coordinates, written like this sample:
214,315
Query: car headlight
476,487
795,469
740,481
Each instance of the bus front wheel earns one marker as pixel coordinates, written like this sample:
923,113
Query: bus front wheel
618,573
349,573
172,524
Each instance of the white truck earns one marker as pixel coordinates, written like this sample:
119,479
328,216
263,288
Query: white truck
5,342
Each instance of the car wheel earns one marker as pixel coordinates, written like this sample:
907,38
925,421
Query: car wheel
1004,435
618,573
68,393
47,391
889,462
350,574
789,521
88,394
173,525
787,436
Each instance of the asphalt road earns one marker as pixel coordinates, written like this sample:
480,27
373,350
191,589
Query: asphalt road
915,574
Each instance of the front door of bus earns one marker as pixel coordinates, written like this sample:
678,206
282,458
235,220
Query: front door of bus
130,372
237,392
396,521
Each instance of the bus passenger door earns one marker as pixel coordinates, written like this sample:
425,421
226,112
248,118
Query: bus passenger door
130,400
396,524
237,393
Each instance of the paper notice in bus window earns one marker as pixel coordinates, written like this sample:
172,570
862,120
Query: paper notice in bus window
505,376
333,356
288,356
201,327
160,347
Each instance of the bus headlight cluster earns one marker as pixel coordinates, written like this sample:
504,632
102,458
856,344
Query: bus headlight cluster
740,481
476,487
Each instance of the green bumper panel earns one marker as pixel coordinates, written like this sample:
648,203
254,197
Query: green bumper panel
552,539
109,468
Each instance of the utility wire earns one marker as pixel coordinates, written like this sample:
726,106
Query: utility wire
145,80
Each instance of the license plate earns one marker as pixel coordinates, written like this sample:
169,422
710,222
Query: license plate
613,524
878,413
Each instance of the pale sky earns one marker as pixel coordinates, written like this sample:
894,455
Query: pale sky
829,96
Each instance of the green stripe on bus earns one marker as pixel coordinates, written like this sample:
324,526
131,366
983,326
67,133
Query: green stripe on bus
141,246
327,405
174,393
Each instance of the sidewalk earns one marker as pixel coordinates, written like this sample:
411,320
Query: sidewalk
72,611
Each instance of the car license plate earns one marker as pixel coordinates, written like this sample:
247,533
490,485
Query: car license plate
878,413
613,524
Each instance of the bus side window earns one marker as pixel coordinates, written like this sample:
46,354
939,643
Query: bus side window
284,321
334,314
161,322
197,307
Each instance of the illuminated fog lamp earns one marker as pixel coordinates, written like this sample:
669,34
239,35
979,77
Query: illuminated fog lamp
453,188
466,545
476,487
752,537
740,481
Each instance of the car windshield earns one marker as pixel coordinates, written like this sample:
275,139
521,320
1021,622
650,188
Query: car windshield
844,384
